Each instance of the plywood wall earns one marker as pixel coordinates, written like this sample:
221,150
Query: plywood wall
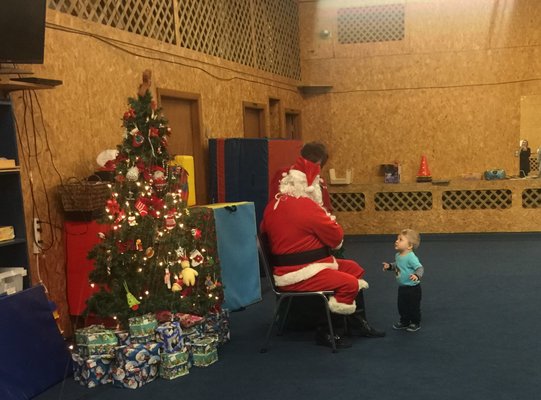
449,90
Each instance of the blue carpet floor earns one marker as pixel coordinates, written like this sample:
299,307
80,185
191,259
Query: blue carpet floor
479,336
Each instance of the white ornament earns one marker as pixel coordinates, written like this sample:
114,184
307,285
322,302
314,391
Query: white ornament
132,174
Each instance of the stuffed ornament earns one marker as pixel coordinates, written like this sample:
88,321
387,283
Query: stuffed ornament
188,273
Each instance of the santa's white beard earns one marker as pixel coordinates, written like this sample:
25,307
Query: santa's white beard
295,184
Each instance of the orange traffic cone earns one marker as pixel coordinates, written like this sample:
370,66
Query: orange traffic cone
424,173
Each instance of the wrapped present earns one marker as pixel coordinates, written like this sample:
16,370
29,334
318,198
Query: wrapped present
131,377
138,354
123,337
88,350
188,320
217,325
95,334
190,334
142,339
204,352
170,335
136,365
175,372
92,371
174,365
143,325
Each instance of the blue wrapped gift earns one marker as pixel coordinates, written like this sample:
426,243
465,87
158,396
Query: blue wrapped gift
170,335
216,325
92,371
136,365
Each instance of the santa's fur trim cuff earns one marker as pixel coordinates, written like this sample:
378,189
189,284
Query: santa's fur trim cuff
304,273
341,308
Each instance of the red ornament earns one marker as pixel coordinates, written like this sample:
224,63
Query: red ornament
141,207
137,140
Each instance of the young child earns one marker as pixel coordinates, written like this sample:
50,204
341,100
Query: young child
409,272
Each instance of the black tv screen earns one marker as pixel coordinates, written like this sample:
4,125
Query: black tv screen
22,31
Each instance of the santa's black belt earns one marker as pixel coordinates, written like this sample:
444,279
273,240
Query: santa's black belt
304,257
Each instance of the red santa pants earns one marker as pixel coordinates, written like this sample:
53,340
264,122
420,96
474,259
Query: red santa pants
344,281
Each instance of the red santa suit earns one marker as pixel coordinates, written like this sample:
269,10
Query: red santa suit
301,233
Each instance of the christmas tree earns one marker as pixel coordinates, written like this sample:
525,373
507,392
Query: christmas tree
157,254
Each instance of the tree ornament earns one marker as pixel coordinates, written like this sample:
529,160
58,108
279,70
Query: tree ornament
139,245
196,233
133,303
133,174
149,252
141,207
196,257
188,273
137,139
170,220
132,221
167,278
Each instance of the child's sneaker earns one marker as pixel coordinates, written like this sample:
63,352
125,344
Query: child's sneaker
400,326
413,327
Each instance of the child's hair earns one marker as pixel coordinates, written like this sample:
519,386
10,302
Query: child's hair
315,152
413,237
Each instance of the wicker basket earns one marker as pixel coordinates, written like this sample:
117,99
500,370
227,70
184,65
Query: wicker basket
84,195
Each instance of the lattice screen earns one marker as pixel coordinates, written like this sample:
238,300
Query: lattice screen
263,34
476,199
531,198
153,19
403,201
382,23
347,201
534,165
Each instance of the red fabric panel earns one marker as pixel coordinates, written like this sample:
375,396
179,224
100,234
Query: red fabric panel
80,238
220,170
282,154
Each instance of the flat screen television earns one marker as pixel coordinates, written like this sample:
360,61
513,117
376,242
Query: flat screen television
22,31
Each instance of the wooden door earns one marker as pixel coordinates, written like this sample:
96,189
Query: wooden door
182,110
254,120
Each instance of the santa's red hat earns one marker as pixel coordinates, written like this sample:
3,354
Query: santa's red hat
309,168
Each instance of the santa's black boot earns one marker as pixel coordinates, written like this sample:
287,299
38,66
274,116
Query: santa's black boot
357,325
323,336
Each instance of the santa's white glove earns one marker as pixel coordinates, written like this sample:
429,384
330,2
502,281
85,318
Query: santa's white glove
363,284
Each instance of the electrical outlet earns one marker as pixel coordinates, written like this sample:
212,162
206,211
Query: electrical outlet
37,236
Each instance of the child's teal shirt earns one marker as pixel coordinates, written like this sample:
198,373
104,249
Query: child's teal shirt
405,266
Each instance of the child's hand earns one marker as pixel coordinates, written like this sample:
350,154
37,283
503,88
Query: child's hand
414,278
386,266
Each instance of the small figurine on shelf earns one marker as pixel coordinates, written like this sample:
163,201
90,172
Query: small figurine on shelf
525,153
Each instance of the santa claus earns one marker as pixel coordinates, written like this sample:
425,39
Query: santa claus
301,235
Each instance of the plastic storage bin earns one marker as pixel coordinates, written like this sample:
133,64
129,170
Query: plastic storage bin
11,280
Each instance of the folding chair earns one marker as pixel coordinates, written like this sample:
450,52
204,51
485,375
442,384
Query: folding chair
280,296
